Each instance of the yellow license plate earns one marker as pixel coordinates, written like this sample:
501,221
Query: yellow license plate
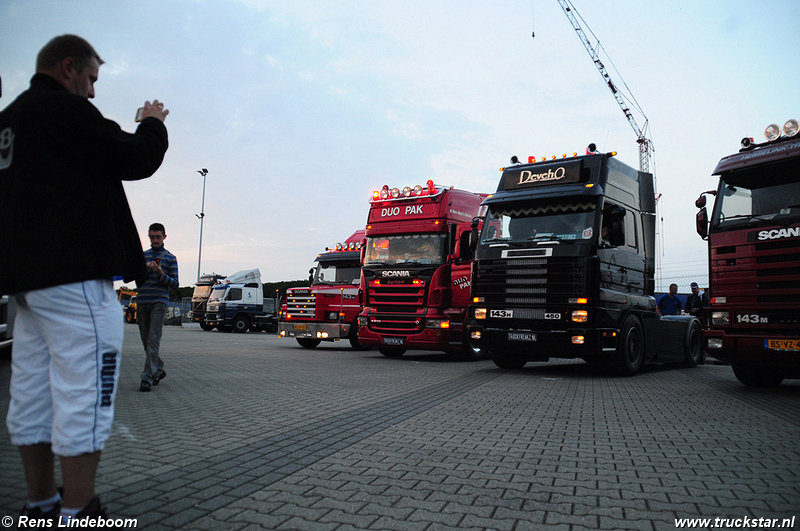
300,327
783,344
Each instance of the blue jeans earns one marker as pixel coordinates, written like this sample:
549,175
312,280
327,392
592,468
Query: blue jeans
150,318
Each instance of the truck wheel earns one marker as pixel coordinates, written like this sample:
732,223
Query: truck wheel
392,352
630,348
308,343
509,360
693,345
470,352
757,376
206,327
241,324
353,338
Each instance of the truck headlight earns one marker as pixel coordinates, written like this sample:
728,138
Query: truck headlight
362,321
714,342
322,335
437,323
721,318
333,316
580,316
480,313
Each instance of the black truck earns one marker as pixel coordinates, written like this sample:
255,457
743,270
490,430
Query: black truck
564,268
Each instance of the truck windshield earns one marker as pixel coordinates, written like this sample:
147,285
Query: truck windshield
332,273
738,205
406,249
201,292
217,294
539,221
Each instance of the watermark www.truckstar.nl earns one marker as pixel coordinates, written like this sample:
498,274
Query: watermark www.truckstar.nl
68,522
745,522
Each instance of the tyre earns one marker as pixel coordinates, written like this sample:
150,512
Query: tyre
693,345
241,324
757,376
206,327
308,343
630,347
468,351
509,360
353,338
392,352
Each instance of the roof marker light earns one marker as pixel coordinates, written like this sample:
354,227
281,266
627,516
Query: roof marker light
431,187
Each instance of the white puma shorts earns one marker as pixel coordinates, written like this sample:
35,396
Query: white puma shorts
65,364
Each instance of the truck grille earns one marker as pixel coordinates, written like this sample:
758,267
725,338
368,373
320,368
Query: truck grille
760,273
301,305
531,281
397,307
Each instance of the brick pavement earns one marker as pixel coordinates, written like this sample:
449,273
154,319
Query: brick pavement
252,432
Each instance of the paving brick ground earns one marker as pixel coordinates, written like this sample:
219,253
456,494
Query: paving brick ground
253,432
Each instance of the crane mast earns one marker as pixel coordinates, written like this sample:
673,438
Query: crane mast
645,145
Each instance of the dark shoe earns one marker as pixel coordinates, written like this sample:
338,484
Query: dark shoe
93,510
144,386
158,376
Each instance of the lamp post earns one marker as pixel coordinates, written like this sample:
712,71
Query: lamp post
201,215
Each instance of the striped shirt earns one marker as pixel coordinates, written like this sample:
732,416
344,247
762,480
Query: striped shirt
156,287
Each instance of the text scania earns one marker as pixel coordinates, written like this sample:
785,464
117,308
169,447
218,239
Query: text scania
395,273
550,175
775,234
395,211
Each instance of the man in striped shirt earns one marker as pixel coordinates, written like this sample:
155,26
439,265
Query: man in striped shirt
151,303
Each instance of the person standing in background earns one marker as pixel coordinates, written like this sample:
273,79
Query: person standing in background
66,231
151,303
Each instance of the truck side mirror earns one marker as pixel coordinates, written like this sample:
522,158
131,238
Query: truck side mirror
310,276
466,251
701,221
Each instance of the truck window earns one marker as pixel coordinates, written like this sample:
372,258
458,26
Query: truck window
518,223
234,294
407,249
738,204
331,273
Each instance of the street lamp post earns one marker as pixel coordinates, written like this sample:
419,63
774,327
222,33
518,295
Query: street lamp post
201,215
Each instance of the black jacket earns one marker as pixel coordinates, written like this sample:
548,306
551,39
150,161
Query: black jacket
64,216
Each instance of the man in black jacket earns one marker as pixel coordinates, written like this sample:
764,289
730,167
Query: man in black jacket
65,232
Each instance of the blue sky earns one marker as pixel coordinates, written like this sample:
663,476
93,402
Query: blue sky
300,109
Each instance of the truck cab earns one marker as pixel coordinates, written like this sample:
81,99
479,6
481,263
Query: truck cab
564,268
236,303
753,238
416,273
200,295
326,310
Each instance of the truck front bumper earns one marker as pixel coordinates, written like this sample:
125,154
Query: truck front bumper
426,339
739,349
314,330
590,344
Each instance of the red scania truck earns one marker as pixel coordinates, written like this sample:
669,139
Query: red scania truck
416,276
754,259
327,309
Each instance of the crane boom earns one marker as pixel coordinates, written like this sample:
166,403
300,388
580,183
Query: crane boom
645,145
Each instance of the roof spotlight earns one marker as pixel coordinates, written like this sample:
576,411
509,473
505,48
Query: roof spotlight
772,132
791,127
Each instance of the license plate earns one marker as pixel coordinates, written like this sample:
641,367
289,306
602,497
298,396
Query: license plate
521,336
394,341
782,344
300,327
501,314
